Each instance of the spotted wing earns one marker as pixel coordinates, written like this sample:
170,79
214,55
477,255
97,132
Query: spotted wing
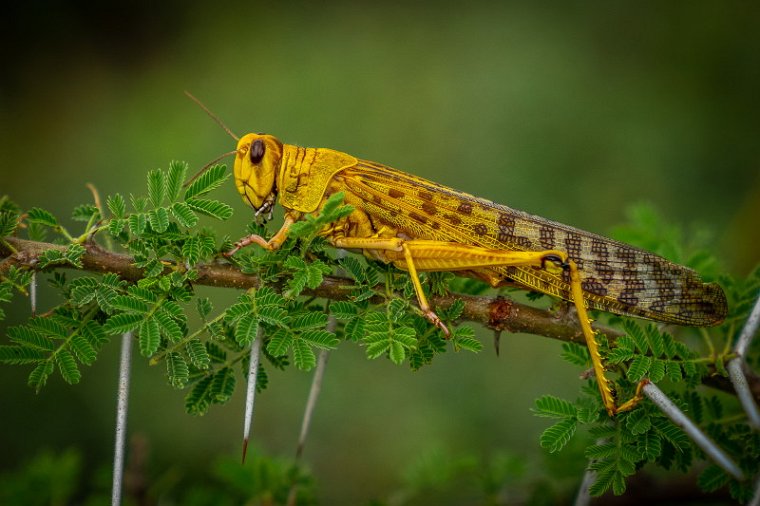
616,277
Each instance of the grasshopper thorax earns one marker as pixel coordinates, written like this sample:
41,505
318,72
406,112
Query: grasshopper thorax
257,163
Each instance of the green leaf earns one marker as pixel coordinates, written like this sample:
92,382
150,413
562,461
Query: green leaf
671,433
320,338
396,309
211,179
48,326
184,214
558,435
142,294
83,350
638,368
85,212
315,273
19,355
174,179
246,329
376,347
657,370
396,352
129,304
343,310
94,333
41,216
689,368
303,356
8,223
159,219
204,306
549,406
464,338
297,283
213,208
68,367
354,267
638,422
137,223
197,353
713,478
406,336
649,445
73,254
575,354
198,400
156,187
601,451
25,336
191,250
272,315
279,343
454,311
169,327
39,375
216,353
150,337
115,226
116,205
354,329
636,333
223,385
308,321
177,370
655,340
123,322
673,371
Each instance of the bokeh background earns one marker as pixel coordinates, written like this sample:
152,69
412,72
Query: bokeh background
570,111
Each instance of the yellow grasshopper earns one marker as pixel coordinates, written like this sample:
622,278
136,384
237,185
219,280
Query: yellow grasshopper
418,225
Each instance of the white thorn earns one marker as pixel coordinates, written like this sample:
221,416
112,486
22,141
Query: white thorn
250,396
690,428
749,330
122,404
743,392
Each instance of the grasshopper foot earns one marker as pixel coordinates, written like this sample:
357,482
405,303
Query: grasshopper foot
247,241
435,320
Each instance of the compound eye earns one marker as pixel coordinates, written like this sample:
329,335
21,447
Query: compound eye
256,153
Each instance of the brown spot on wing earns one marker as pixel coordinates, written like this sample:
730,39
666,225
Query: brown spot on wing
417,217
465,208
429,208
546,237
453,219
395,194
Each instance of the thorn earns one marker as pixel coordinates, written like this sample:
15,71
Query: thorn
245,448
496,338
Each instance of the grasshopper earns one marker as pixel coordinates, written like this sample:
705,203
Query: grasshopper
418,225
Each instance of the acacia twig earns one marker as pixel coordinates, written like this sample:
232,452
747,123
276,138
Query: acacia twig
497,313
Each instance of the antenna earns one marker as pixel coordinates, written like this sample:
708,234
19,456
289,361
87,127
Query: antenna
212,115
209,164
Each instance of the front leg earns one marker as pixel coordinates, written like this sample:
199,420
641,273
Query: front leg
272,244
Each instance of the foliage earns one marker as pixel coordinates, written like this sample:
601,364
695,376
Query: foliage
206,349
59,478
619,447
161,232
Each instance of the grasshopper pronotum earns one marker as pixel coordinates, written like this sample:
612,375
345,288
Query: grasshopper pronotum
418,225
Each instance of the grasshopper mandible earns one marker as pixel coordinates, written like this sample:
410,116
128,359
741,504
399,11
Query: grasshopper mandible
418,225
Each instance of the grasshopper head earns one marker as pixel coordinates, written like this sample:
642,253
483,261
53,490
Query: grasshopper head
257,163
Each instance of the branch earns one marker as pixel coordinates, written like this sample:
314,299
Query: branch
497,313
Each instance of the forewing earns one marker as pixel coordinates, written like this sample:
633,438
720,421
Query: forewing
616,277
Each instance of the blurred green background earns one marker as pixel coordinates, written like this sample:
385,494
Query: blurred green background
570,111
